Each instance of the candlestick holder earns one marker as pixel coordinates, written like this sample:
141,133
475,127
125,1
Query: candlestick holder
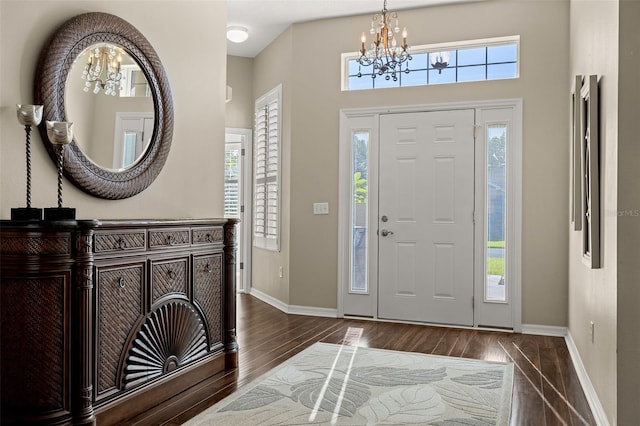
60,133
28,115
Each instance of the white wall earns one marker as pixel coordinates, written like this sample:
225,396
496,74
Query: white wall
191,182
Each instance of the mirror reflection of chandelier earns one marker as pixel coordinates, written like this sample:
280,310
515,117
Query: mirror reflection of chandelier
103,70
384,53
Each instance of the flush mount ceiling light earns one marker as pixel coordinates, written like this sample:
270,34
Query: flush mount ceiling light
237,34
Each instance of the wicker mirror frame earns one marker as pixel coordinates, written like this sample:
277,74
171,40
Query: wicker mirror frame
56,59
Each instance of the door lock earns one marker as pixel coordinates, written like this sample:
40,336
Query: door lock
384,218
386,232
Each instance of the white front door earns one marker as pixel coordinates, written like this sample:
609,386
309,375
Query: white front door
425,221
132,136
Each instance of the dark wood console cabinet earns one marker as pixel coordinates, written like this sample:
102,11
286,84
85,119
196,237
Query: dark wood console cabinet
107,319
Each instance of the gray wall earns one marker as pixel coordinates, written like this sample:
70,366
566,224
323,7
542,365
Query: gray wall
197,151
274,66
628,244
306,59
592,293
239,111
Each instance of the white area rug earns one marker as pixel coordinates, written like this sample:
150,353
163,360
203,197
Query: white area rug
350,385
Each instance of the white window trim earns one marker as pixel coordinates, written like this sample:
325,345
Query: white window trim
263,241
428,48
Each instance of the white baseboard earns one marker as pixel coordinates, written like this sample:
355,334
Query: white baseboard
544,330
312,311
276,303
294,309
587,387
589,391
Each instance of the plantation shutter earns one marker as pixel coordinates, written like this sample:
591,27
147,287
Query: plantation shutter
232,180
266,228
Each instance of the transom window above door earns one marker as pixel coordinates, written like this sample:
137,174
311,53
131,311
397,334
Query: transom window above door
457,62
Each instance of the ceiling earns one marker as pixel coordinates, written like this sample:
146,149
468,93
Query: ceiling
267,19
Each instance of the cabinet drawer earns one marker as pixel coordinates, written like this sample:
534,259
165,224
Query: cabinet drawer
170,276
119,302
207,235
120,241
163,238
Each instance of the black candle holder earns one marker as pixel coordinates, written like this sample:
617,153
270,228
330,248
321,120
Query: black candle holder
28,115
60,133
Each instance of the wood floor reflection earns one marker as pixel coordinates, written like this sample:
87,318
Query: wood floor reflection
546,389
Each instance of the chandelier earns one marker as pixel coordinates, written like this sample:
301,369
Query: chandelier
103,70
384,53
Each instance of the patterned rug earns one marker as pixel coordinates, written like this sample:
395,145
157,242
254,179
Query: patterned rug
349,385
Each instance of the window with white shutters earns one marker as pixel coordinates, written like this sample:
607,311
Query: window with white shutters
266,220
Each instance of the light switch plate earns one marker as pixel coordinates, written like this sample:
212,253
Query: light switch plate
320,208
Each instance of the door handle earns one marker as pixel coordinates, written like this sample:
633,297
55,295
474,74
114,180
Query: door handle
386,232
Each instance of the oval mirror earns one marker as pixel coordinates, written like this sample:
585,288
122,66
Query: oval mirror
123,121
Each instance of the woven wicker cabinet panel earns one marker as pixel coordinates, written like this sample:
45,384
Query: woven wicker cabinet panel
33,345
207,288
119,305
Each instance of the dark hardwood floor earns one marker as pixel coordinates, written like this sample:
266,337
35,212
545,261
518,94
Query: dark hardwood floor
546,389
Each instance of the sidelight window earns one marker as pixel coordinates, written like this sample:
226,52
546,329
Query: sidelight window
359,211
496,214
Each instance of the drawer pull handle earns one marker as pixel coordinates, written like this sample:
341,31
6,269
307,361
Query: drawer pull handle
121,282
172,274
121,244
209,268
210,238
170,240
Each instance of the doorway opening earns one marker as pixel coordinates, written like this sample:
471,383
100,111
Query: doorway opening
237,198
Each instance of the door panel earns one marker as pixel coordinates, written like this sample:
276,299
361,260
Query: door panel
426,192
237,198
